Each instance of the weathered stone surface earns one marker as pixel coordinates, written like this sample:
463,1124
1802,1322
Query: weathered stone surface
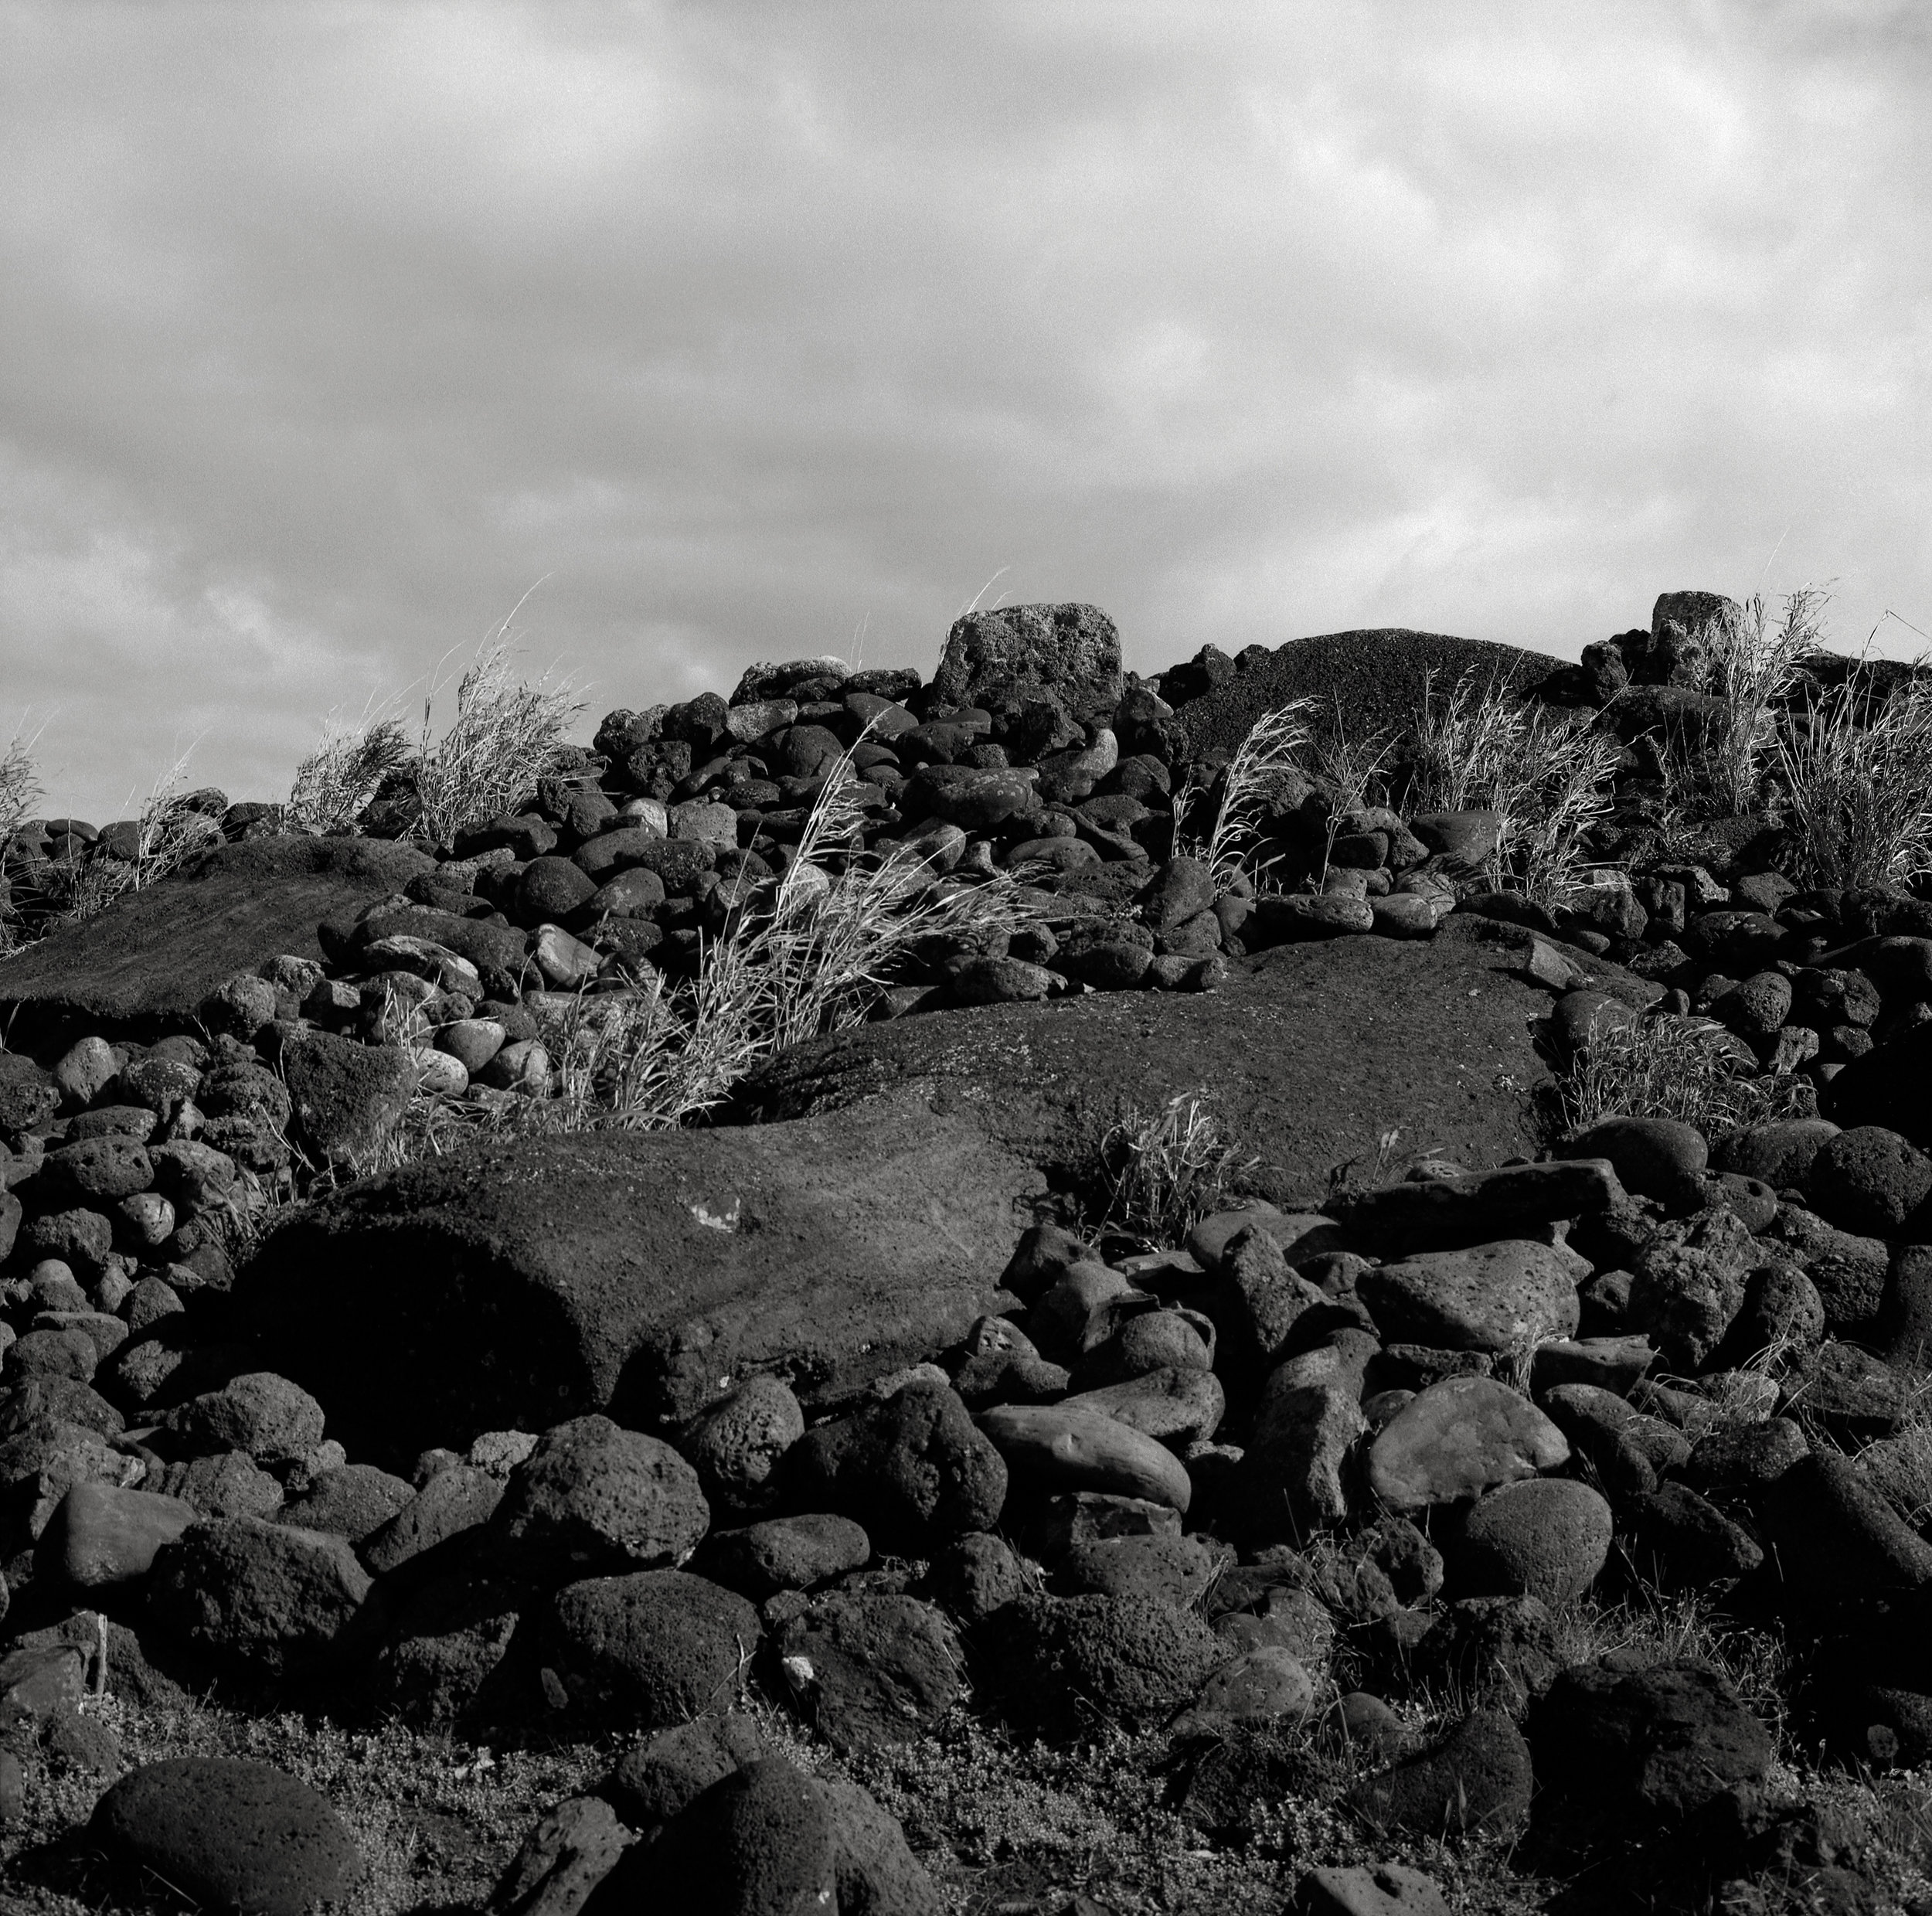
866,1671
102,1535
592,1497
148,960
1459,1439
1129,1659
1018,652
1310,1415
645,1651
231,1834
1690,1285
1499,1298
269,1596
1477,1778
1544,1537
645,1275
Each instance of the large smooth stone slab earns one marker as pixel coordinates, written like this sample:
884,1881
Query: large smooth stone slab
1459,1439
147,961
520,1283
1312,1052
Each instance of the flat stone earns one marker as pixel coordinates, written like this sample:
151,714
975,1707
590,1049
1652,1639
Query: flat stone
786,1554
1459,1439
1392,1221
147,963
645,1275
1499,1298
231,1834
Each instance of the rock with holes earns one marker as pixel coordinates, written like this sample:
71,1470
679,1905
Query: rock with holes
644,1651
1499,1298
868,1671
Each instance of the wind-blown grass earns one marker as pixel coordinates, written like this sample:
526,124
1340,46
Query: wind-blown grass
1756,668
1670,1067
801,957
337,780
1163,1171
1249,786
1547,775
1857,780
19,793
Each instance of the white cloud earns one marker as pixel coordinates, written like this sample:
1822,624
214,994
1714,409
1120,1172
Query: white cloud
331,329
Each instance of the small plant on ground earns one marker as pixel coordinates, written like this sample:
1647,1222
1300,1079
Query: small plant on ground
1163,1171
1353,770
1857,780
1670,1067
1547,775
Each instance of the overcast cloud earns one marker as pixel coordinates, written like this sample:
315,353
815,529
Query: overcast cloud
755,331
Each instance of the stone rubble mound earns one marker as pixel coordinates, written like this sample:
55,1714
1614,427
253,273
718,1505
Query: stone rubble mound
1356,1447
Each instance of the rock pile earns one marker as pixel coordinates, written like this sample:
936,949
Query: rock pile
1346,1452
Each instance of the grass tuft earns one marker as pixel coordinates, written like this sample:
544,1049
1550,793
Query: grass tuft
1267,758
1670,1067
344,773
1548,775
1163,1171
1858,784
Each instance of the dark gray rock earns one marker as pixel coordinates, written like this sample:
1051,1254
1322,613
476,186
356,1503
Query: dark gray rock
644,1651
592,1497
275,1599
347,1097
912,1468
266,1415
785,1553
1069,1660
231,1834
1478,1778
866,1671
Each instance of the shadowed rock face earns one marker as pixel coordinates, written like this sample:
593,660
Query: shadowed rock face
521,1283
143,966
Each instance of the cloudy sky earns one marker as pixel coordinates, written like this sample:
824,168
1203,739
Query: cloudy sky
745,331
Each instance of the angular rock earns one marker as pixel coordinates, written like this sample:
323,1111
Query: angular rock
911,1469
274,1598
347,1097
102,1535
867,1672
1690,1285
1292,1476
1126,1659
265,1415
1500,1298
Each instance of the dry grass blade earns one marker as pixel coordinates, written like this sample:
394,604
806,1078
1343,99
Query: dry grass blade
1756,668
1669,1067
343,773
801,957
1547,774
503,739
19,794
1857,785
1254,778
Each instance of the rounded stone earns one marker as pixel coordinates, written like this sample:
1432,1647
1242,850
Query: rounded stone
735,1446
594,1497
1868,1180
786,1554
1547,1538
1459,1439
549,889
1654,1157
266,1415
229,1834
646,1651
